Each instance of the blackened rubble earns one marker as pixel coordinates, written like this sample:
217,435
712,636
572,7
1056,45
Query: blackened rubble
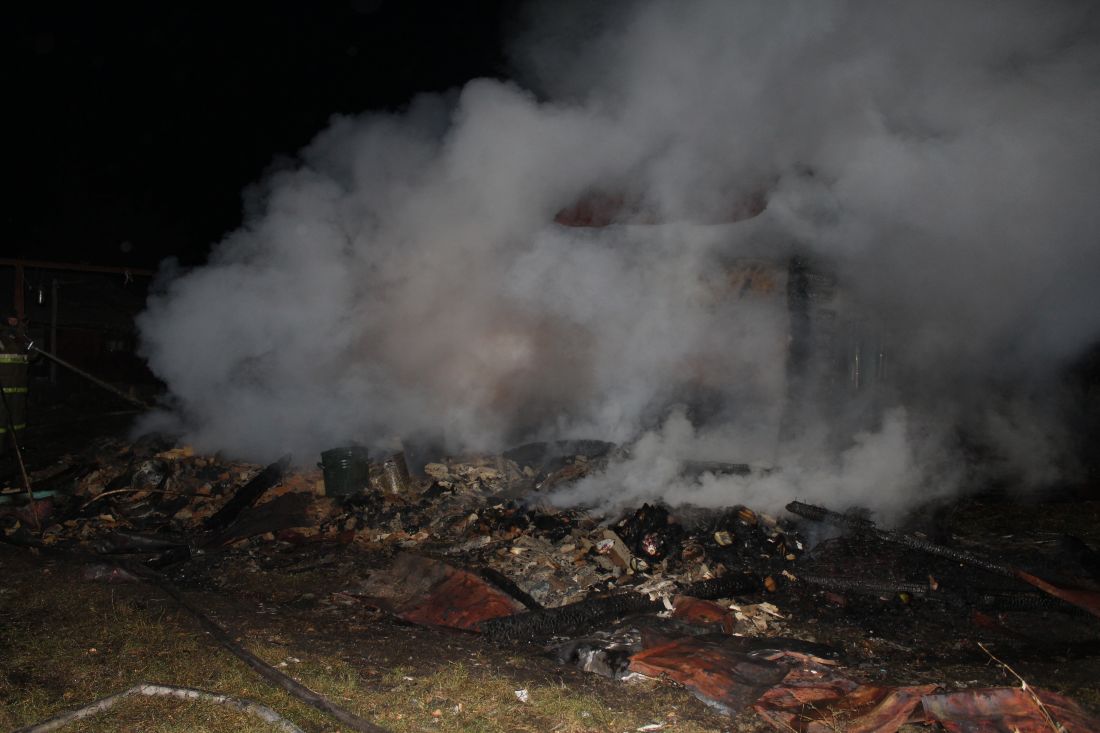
732,604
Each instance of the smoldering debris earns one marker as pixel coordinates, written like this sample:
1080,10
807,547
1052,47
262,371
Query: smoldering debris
732,603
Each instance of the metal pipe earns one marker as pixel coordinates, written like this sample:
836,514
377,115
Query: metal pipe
872,586
89,377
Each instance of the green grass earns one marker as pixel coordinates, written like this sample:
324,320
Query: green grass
65,642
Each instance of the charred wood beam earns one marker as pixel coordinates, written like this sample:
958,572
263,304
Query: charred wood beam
828,516
502,581
1086,599
859,524
122,541
960,556
568,618
590,612
1023,602
247,495
865,585
288,510
723,587
988,601
152,550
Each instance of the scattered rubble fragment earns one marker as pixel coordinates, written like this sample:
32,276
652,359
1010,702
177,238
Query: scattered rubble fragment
1006,710
433,593
813,697
246,495
720,602
713,670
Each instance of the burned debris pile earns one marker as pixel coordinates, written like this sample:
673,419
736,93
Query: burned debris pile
735,605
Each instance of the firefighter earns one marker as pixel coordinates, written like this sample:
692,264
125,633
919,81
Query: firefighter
14,348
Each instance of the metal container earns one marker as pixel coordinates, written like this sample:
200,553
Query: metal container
395,475
346,470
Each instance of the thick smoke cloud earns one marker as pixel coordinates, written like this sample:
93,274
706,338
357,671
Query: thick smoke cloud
404,278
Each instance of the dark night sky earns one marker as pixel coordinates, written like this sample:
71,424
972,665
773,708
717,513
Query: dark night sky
143,122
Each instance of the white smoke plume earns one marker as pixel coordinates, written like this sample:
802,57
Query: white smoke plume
405,277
